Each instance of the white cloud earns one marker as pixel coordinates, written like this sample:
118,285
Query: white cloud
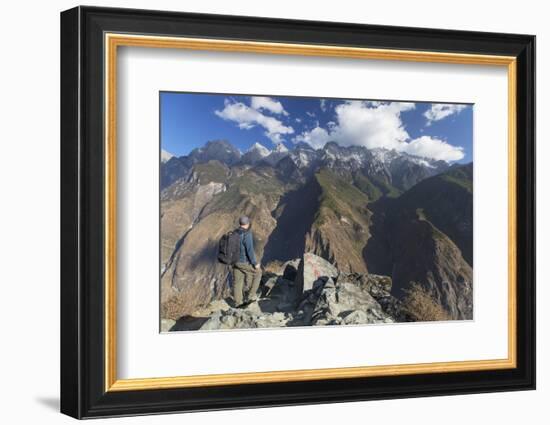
316,138
323,105
369,125
310,114
434,148
268,104
298,119
438,111
378,125
248,117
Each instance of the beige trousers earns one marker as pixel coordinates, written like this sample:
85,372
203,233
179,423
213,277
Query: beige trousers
245,273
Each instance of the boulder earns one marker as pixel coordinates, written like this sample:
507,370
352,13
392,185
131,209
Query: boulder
290,269
346,303
166,325
248,318
314,270
376,285
280,291
213,323
379,287
356,317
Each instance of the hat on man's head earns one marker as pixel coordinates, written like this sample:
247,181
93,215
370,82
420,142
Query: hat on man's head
243,220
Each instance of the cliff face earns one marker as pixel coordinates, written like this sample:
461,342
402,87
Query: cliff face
425,255
341,226
365,212
425,236
446,200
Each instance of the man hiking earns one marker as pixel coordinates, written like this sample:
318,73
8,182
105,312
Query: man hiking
246,268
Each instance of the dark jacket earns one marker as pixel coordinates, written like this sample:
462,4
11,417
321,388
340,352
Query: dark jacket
246,251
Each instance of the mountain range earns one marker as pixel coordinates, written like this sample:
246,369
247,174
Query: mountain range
367,211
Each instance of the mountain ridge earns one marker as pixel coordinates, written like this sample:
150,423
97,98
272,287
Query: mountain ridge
399,169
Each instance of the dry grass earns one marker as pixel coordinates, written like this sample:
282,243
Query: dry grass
188,301
275,267
421,306
177,306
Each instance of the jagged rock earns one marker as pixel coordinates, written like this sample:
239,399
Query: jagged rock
228,321
250,317
166,325
379,287
338,301
254,309
284,290
333,298
213,323
393,307
313,270
290,269
376,285
356,317
268,282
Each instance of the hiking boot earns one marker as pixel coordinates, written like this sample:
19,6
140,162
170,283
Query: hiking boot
252,300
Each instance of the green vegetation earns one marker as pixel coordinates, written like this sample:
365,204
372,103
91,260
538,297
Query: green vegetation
254,184
386,188
247,185
374,187
437,234
445,201
339,196
420,214
365,185
336,189
226,201
466,184
461,175
211,171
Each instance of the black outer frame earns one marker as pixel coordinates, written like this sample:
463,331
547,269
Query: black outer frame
82,220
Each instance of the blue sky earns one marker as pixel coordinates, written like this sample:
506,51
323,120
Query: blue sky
434,130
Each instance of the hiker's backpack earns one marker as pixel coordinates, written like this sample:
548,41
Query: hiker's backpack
229,247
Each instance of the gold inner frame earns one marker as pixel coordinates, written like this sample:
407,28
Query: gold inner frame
113,41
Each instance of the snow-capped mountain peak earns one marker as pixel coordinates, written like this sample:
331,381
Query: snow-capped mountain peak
385,156
260,149
280,148
165,155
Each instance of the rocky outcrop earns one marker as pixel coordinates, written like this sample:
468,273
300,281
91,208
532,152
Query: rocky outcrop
166,324
345,304
331,298
313,270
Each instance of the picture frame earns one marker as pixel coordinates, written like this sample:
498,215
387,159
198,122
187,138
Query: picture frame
90,39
